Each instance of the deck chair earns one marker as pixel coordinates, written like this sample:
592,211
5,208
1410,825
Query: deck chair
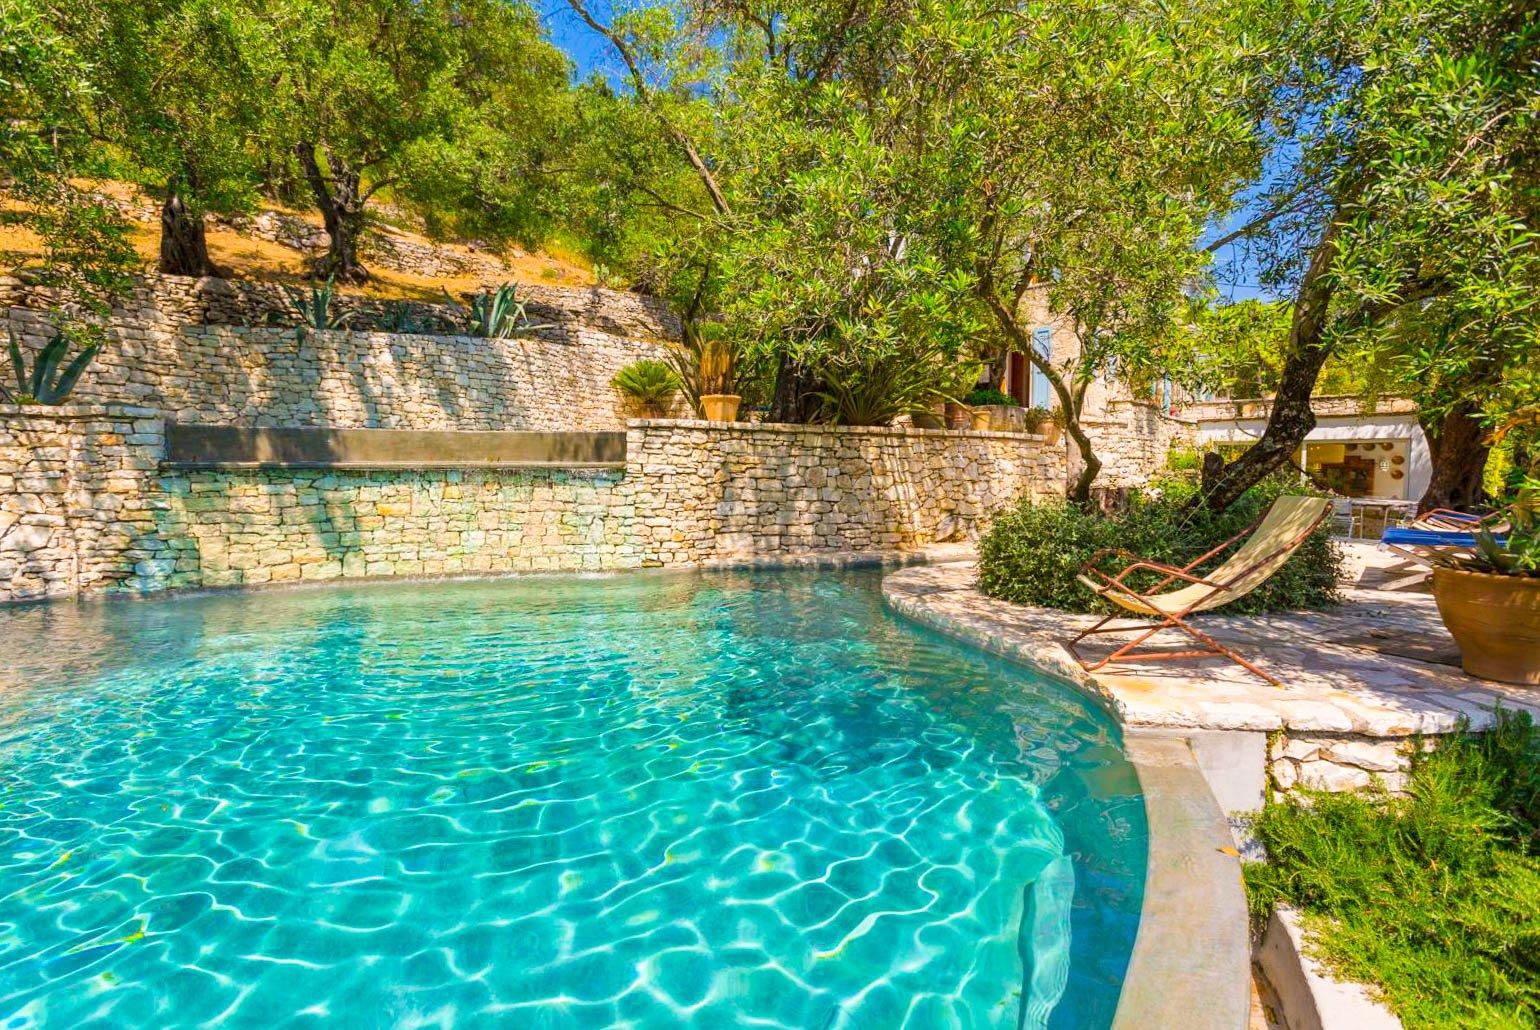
1443,534
1269,543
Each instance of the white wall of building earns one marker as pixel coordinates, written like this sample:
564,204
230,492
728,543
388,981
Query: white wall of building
1401,430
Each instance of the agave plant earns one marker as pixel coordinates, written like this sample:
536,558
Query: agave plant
495,314
401,316
313,309
650,381
45,384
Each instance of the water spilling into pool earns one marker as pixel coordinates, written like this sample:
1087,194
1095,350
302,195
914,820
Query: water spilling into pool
734,799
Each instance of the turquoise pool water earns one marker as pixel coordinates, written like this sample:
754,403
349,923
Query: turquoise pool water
715,800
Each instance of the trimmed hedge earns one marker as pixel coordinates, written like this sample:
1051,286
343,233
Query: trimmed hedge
1031,553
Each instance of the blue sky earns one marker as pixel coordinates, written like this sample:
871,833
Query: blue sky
580,42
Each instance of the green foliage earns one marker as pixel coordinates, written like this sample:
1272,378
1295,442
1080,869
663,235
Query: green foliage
982,396
45,87
312,308
402,316
496,314
870,387
650,381
1237,350
1434,896
45,383
1032,553
182,91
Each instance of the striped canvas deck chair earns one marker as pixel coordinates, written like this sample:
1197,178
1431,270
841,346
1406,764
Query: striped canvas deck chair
1269,543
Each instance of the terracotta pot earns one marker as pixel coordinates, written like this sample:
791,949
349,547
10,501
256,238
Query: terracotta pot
1495,620
1052,431
980,418
935,418
957,415
720,407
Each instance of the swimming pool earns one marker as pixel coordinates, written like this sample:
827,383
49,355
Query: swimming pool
726,799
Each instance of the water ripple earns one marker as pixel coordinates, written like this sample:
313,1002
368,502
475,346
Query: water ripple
730,800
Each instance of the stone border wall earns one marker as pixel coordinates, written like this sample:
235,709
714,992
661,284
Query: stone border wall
157,299
714,492
558,379
85,506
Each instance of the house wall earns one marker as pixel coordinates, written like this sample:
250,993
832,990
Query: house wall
1338,420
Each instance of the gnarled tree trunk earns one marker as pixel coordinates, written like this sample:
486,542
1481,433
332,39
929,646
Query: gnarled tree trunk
340,199
184,250
1459,450
1291,418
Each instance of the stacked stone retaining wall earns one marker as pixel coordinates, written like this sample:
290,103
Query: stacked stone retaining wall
557,379
156,299
85,506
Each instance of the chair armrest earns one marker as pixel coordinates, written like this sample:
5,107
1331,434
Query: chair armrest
1096,559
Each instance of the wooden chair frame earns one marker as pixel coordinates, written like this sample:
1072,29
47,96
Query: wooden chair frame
1176,620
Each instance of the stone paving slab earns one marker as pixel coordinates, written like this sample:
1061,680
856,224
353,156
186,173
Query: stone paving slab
1337,666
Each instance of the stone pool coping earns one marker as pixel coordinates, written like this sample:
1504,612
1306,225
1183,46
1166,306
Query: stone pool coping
885,559
1191,965
1339,673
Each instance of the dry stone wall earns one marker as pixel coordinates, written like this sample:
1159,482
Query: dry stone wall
156,299
85,508
1338,761
79,500
710,492
556,380
1132,439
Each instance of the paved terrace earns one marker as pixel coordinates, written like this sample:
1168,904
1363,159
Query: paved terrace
1381,665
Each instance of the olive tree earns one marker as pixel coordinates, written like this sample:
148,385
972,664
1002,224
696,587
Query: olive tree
1400,190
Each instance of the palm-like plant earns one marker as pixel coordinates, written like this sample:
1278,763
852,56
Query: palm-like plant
45,383
650,381
704,363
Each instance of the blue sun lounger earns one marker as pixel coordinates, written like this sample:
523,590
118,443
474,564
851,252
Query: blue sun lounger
1418,544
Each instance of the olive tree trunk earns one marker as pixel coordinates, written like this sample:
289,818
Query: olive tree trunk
338,196
1459,450
184,249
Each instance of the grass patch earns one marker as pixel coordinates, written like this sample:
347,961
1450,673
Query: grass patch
1434,897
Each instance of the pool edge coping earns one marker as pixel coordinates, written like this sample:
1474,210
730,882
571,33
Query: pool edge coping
810,560
1193,940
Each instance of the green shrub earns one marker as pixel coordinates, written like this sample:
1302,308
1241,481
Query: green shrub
1435,896
650,381
1032,553
982,396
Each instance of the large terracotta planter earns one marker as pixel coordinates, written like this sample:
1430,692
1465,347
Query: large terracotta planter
720,407
1495,620
999,418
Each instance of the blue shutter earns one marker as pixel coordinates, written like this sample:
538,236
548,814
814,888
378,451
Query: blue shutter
1042,393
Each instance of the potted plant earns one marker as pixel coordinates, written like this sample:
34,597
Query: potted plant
993,410
1489,597
718,401
650,384
1053,425
707,370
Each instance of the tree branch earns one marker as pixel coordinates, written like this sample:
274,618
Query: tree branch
644,92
